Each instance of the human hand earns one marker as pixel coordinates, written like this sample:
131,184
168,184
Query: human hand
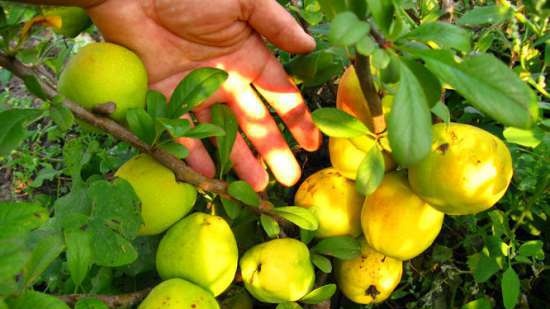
173,37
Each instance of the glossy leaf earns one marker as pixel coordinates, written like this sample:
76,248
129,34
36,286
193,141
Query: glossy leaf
480,303
409,125
486,83
315,68
156,104
370,172
300,216
445,35
34,87
382,12
320,294
196,87
346,29
528,138
490,14
232,208
79,254
176,127
46,248
204,130
322,262
62,116
141,124
33,299
332,7
90,303
176,149
532,248
482,266
510,287
224,118
243,192
270,226
341,247
20,217
336,123
366,45
441,111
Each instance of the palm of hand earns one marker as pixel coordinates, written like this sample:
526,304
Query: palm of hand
174,37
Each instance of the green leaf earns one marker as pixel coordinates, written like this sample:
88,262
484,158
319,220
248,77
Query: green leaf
382,12
288,305
370,172
204,130
346,29
442,111
116,205
156,104
445,35
482,267
196,87
380,58
36,300
176,127
410,123
306,236
232,209
341,247
510,286
336,123
528,138
480,303
224,118
20,217
486,83
270,226
322,262
243,192
491,14
90,303
176,149
110,248
34,87
332,7
366,45
141,124
532,248
79,254
441,253
13,256
300,216
62,116
12,128
46,248
320,294
315,68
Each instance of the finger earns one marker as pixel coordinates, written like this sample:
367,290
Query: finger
257,124
285,98
245,164
271,20
198,158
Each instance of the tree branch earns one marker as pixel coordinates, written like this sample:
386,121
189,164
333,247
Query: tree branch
362,68
112,301
182,172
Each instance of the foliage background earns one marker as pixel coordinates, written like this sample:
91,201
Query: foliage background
472,264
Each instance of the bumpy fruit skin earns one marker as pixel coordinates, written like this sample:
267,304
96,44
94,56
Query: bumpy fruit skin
200,248
105,72
277,271
467,171
179,294
346,157
334,201
368,278
73,19
164,201
396,222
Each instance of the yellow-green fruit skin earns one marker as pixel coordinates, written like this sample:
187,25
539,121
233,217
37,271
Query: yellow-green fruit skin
103,72
396,222
164,201
73,19
200,248
334,201
278,270
178,294
346,157
368,278
467,171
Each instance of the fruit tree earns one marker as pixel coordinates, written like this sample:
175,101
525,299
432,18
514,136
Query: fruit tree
431,188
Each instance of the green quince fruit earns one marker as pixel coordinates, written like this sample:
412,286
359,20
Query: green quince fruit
164,200
278,271
200,248
179,294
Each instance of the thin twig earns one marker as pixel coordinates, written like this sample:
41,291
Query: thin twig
448,8
362,68
112,301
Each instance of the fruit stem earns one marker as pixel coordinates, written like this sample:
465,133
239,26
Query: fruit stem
362,67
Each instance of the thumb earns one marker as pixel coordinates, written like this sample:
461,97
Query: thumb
272,21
